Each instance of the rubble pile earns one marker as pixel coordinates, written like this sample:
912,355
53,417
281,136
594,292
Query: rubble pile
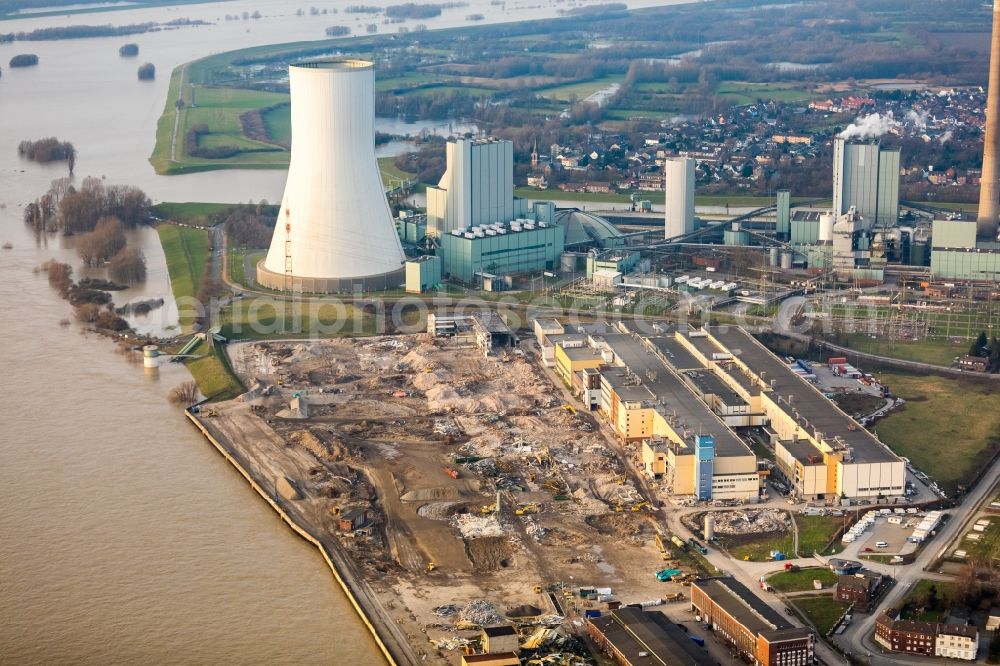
481,612
752,521
473,527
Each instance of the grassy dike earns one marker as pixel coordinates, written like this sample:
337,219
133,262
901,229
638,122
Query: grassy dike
188,252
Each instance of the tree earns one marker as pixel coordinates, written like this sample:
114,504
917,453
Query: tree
147,72
980,343
128,266
105,241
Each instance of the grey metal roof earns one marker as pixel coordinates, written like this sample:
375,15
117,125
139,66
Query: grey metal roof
674,398
813,407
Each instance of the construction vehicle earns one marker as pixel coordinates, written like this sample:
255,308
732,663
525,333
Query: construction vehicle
451,472
526,509
431,567
538,589
570,408
618,507
636,508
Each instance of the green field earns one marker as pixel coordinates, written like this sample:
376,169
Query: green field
816,534
987,549
741,92
956,415
821,611
578,91
802,580
928,601
187,252
197,214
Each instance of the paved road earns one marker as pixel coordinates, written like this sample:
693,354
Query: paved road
857,638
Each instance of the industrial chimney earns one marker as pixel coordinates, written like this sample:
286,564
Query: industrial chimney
335,231
989,190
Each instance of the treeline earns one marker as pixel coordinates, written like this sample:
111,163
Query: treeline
412,10
48,150
91,306
251,226
988,348
338,31
87,31
24,60
450,104
75,211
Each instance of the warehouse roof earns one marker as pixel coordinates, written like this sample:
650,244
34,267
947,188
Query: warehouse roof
650,638
820,414
710,384
743,605
675,353
673,396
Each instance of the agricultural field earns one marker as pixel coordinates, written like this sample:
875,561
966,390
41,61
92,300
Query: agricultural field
961,414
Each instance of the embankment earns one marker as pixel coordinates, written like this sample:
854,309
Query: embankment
384,630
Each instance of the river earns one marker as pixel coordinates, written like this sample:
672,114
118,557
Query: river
125,537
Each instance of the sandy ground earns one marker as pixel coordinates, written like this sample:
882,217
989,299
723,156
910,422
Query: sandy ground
387,416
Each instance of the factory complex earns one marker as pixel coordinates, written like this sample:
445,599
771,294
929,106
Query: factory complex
682,395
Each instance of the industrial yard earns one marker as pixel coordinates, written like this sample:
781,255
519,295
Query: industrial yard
448,477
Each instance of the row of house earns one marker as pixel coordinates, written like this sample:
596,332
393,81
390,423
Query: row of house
932,639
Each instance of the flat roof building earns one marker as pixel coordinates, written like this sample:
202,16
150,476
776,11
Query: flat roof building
819,448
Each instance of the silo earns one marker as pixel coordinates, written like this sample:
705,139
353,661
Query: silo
786,260
335,230
772,257
826,222
151,356
709,527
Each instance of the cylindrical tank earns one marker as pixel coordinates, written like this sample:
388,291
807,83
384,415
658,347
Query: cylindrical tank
709,527
567,263
826,221
335,230
151,356
786,260
772,257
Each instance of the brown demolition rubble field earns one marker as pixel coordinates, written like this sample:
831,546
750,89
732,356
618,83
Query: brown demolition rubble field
397,447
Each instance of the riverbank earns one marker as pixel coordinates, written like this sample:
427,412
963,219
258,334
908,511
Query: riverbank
383,629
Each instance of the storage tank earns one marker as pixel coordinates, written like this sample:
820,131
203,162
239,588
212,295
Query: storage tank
151,356
567,264
786,260
709,527
826,222
772,257
335,230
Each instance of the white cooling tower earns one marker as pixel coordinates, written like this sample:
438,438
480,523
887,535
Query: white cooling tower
335,230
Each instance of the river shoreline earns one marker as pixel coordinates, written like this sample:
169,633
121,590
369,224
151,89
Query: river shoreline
385,632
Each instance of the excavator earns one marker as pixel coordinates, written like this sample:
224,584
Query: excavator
526,509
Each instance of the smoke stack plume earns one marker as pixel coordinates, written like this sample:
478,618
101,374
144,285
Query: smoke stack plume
989,191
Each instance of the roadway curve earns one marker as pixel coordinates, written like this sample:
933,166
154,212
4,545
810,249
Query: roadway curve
857,638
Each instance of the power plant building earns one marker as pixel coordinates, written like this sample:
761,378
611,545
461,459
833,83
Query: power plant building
866,177
335,231
679,201
955,253
477,186
521,246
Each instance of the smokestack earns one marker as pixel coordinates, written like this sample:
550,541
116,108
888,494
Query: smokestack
989,190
